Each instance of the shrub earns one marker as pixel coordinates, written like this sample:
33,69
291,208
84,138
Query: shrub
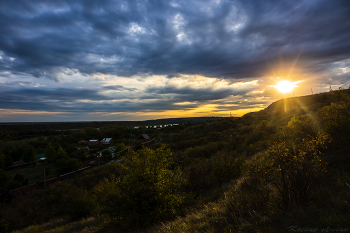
335,121
205,151
225,167
204,174
65,165
29,154
293,169
72,201
302,128
146,192
249,195
3,179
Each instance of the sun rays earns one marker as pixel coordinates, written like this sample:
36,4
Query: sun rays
285,86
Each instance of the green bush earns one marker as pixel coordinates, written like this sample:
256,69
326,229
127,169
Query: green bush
204,174
205,151
3,179
50,153
147,191
293,169
72,201
334,120
65,165
302,128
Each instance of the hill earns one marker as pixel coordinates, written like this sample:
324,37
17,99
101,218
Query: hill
282,169
282,110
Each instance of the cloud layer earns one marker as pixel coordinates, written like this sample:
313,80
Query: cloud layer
74,55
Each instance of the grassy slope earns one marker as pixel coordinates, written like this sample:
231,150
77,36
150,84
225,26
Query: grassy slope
239,207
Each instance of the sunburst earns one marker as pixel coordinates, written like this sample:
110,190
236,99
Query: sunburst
285,86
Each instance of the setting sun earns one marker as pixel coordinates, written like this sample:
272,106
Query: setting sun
285,86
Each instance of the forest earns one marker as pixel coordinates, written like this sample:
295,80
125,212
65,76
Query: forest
283,169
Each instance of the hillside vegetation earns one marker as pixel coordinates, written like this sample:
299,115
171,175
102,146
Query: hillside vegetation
283,169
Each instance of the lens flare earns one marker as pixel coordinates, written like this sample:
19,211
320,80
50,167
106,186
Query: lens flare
285,86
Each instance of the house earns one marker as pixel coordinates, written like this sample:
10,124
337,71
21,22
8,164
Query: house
111,149
83,142
107,141
17,164
21,192
93,142
40,157
143,138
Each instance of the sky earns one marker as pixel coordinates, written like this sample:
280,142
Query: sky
102,60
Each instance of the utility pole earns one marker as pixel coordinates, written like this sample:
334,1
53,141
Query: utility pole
44,180
312,91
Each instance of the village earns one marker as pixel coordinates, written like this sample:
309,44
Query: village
42,171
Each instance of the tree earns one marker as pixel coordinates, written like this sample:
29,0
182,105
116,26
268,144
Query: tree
334,120
65,165
146,192
61,154
2,161
302,128
119,147
8,161
29,154
50,153
17,153
3,178
106,155
82,154
20,178
262,126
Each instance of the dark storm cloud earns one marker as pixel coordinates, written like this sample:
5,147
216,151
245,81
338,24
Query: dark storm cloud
60,99
59,94
77,100
232,39
184,94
